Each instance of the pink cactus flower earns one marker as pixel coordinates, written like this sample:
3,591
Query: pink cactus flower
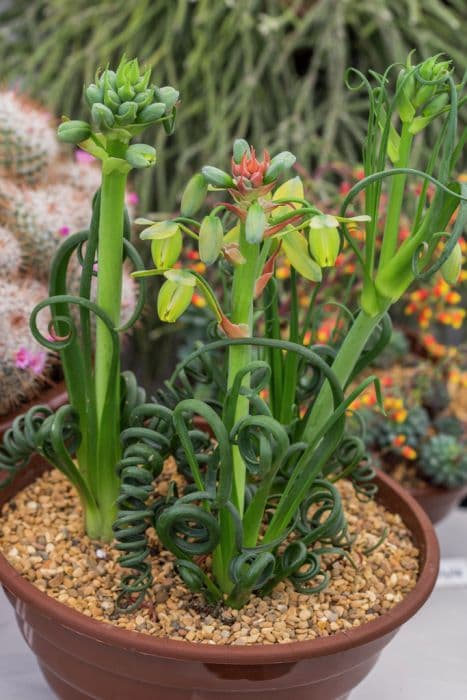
22,358
83,157
64,230
37,362
132,198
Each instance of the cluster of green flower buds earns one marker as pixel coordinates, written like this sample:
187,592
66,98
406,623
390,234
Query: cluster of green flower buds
123,103
422,92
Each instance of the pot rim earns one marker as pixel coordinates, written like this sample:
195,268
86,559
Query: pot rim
53,396
162,647
431,490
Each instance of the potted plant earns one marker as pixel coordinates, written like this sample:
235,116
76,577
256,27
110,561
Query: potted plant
420,441
257,502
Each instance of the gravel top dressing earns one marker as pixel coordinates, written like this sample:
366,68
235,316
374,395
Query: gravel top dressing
41,536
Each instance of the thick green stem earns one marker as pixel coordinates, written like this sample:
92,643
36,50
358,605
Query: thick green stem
396,198
242,298
107,381
243,290
343,366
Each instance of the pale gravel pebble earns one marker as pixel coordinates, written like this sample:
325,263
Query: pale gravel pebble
45,544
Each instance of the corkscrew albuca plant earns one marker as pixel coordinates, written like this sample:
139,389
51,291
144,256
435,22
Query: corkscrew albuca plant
82,438
261,505
253,484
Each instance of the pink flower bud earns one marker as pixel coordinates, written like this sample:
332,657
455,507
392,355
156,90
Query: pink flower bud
22,358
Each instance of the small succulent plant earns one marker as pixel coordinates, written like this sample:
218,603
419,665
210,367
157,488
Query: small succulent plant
443,459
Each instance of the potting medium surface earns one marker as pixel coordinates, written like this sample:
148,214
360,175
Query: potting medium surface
436,638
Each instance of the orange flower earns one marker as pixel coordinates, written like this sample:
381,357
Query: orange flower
408,452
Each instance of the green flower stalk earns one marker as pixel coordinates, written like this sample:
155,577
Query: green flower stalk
424,94
123,103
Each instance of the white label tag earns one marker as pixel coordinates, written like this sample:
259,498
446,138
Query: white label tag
452,572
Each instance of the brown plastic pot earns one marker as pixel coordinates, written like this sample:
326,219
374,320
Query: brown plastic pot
54,397
438,502
82,658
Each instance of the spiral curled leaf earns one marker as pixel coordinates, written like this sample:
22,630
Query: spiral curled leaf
20,442
187,530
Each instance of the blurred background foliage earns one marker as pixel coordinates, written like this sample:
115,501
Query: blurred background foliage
268,70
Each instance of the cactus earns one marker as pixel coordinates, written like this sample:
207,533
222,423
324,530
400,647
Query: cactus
10,255
435,396
443,460
27,140
22,360
450,425
44,197
40,218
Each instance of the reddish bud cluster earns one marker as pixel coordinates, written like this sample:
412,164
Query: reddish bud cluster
250,170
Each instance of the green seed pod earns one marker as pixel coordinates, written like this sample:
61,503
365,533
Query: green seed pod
324,239
152,112
217,177
103,116
451,268
165,251
93,94
140,155
73,131
279,164
255,223
168,95
193,195
240,147
210,239
175,295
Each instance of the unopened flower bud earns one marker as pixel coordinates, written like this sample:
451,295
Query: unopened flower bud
217,177
451,268
112,100
126,92
255,223
73,131
210,239
193,195
279,164
168,95
324,239
103,116
140,155
240,147
175,295
94,94
127,112
165,251
145,98
152,112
